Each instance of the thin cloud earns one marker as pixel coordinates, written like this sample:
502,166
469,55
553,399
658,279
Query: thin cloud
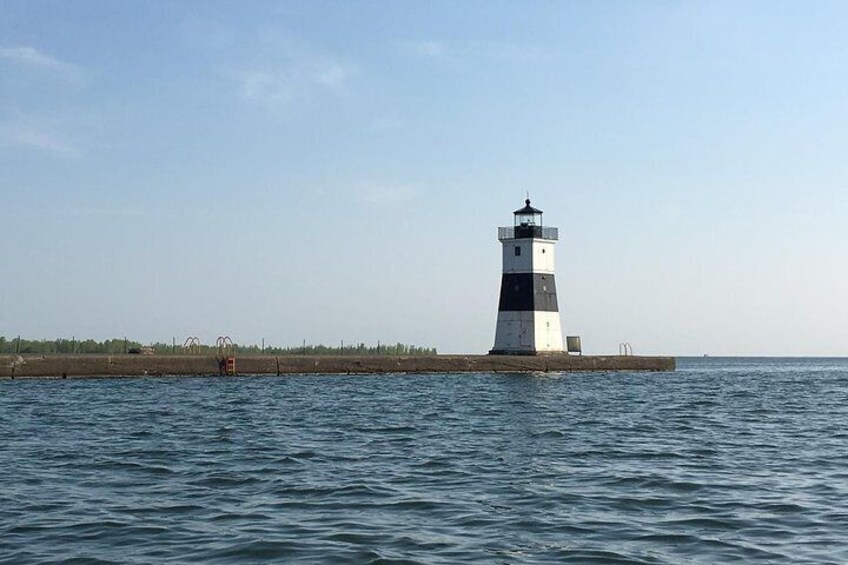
38,139
384,124
271,89
510,52
432,49
32,58
333,75
387,195
106,212
277,85
463,50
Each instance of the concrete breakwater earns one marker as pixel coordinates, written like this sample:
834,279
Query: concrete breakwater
58,366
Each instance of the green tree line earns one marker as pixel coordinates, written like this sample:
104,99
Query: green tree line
12,346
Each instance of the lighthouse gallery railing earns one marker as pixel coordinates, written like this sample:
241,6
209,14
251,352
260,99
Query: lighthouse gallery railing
538,232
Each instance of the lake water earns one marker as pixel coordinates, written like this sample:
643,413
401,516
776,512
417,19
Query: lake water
724,460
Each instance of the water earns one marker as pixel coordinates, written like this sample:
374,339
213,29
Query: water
724,460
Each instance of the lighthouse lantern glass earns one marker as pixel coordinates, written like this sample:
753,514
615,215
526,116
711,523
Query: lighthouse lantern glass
528,219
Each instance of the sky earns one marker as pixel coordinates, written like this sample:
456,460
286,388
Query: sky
329,171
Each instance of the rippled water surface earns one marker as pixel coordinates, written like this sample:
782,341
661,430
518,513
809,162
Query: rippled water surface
724,460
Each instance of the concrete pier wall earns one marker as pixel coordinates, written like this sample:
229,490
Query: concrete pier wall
58,366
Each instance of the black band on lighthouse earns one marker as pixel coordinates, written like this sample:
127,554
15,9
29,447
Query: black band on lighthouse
528,292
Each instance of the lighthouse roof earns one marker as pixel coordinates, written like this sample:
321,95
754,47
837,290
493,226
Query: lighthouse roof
527,209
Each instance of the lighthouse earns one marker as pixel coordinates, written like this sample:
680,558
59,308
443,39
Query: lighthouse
528,315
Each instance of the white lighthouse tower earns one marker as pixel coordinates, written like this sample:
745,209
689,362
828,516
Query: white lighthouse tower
528,315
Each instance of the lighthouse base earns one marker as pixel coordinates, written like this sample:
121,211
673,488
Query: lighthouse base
524,352
527,333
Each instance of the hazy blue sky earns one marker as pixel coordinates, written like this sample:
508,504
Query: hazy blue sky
326,171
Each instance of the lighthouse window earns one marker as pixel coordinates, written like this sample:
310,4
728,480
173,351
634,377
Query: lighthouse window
517,251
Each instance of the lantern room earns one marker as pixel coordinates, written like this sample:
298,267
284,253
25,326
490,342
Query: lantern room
528,221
